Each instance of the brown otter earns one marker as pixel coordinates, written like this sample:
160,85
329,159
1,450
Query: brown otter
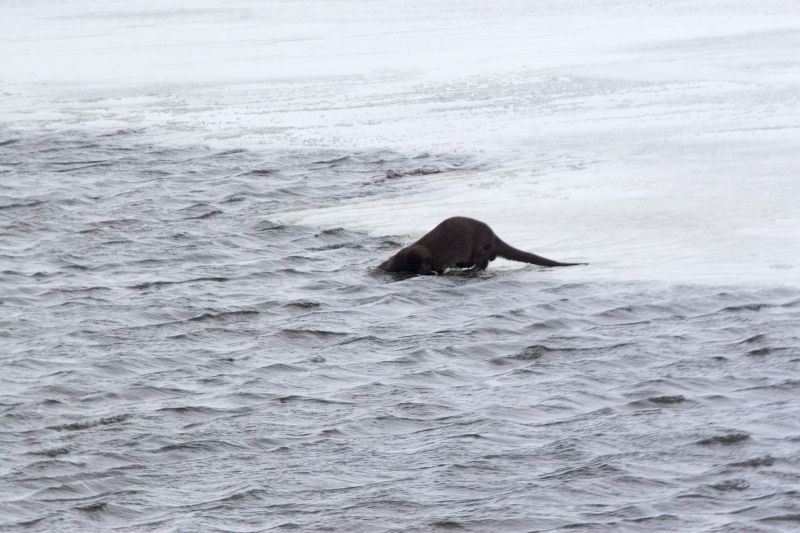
459,242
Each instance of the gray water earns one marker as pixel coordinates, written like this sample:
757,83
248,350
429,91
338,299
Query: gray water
173,358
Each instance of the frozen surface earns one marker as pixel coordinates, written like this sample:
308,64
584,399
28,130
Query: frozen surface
656,141
193,198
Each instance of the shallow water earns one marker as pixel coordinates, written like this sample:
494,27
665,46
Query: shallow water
175,358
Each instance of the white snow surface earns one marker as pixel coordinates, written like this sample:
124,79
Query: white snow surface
655,140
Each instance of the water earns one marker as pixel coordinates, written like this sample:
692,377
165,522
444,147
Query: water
177,358
193,199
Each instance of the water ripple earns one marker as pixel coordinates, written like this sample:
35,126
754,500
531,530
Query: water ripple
173,358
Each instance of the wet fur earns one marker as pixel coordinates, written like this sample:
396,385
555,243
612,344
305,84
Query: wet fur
459,242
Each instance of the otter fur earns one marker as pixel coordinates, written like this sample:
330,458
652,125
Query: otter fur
459,242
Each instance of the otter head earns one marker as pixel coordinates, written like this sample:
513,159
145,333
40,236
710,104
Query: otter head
414,259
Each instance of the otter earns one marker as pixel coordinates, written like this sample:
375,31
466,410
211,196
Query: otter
459,242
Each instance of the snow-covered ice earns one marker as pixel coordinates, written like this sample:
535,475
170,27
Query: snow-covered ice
655,140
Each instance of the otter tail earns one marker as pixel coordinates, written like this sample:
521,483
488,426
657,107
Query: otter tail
509,252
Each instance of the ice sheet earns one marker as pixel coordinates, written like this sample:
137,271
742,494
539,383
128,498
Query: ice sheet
655,141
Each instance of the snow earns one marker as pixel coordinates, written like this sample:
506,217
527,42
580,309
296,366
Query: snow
658,140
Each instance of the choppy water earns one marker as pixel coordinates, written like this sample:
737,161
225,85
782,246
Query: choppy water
173,358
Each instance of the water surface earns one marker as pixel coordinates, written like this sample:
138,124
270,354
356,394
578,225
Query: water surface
175,358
